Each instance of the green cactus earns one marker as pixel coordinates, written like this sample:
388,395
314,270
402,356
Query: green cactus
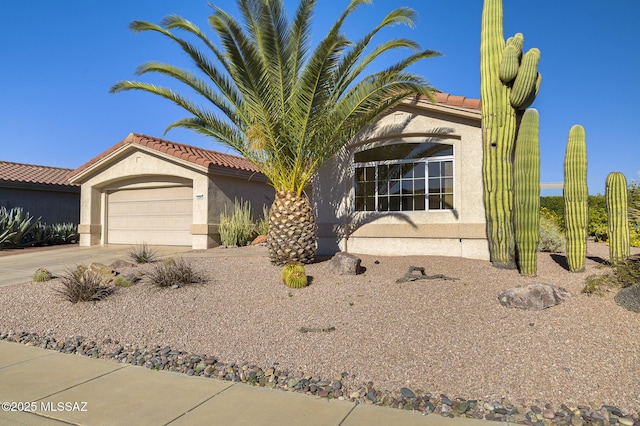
576,194
499,132
294,275
509,64
527,193
525,81
42,275
617,218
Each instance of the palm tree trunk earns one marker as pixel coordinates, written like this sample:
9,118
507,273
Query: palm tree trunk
292,229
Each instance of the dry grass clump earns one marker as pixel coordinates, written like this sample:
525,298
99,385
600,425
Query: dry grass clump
142,254
83,285
175,273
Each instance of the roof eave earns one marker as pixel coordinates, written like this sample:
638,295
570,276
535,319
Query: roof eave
125,149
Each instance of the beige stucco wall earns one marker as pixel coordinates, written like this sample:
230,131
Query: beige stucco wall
458,232
136,167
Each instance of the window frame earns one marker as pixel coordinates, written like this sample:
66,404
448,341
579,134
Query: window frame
423,160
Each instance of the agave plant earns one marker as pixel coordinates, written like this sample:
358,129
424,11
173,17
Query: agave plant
285,107
15,225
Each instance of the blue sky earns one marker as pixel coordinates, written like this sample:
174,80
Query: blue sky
61,58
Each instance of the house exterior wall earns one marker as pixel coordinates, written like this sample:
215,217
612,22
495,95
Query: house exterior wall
137,168
52,204
458,232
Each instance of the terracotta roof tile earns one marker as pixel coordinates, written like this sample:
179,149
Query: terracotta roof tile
457,101
195,155
29,173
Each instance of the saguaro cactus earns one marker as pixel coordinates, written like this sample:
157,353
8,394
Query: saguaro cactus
576,214
617,217
500,69
527,193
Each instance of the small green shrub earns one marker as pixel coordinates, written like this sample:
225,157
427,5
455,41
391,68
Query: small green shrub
551,239
294,275
142,254
42,275
623,274
83,285
237,229
599,284
598,224
122,281
634,237
263,223
178,273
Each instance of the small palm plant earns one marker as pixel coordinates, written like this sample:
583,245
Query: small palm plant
285,107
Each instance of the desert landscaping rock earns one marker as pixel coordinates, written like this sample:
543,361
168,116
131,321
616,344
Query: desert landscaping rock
533,297
629,298
345,264
448,342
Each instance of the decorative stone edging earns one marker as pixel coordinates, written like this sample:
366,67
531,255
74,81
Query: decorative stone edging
165,358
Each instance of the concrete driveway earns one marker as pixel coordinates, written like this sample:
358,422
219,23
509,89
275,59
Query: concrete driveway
19,268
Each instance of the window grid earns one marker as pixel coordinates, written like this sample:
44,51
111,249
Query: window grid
402,185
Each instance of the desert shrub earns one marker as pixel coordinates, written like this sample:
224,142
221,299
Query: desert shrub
83,285
122,281
237,228
142,254
623,274
551,239
554,204
64,233
48,235
178,273
634,237
598,224
42,275
263,224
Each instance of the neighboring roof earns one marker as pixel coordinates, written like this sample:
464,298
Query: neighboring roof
198,156
449,104
33,174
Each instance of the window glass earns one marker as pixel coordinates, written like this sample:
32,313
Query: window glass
396,177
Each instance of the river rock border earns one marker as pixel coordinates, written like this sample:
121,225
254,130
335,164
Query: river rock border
168,359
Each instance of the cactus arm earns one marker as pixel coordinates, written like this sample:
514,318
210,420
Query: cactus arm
527,192
509,64
576,198
525,81
617,217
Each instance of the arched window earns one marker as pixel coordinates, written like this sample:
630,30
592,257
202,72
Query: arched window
404,176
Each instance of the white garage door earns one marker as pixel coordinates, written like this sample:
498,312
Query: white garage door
160,216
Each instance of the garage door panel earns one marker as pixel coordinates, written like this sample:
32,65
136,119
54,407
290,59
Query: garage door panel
160,216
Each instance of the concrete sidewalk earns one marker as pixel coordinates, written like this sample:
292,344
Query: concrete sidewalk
51,388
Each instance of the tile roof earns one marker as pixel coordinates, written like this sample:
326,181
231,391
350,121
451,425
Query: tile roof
199,156
29,173
456,101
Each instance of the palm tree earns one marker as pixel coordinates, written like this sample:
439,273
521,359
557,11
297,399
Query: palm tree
284,107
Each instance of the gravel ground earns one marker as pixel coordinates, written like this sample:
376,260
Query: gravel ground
436,336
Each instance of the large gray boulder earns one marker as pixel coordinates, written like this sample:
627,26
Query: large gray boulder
533,297
629,298
345,264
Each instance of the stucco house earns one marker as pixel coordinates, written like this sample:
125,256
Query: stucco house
410,184
43,191
149,190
